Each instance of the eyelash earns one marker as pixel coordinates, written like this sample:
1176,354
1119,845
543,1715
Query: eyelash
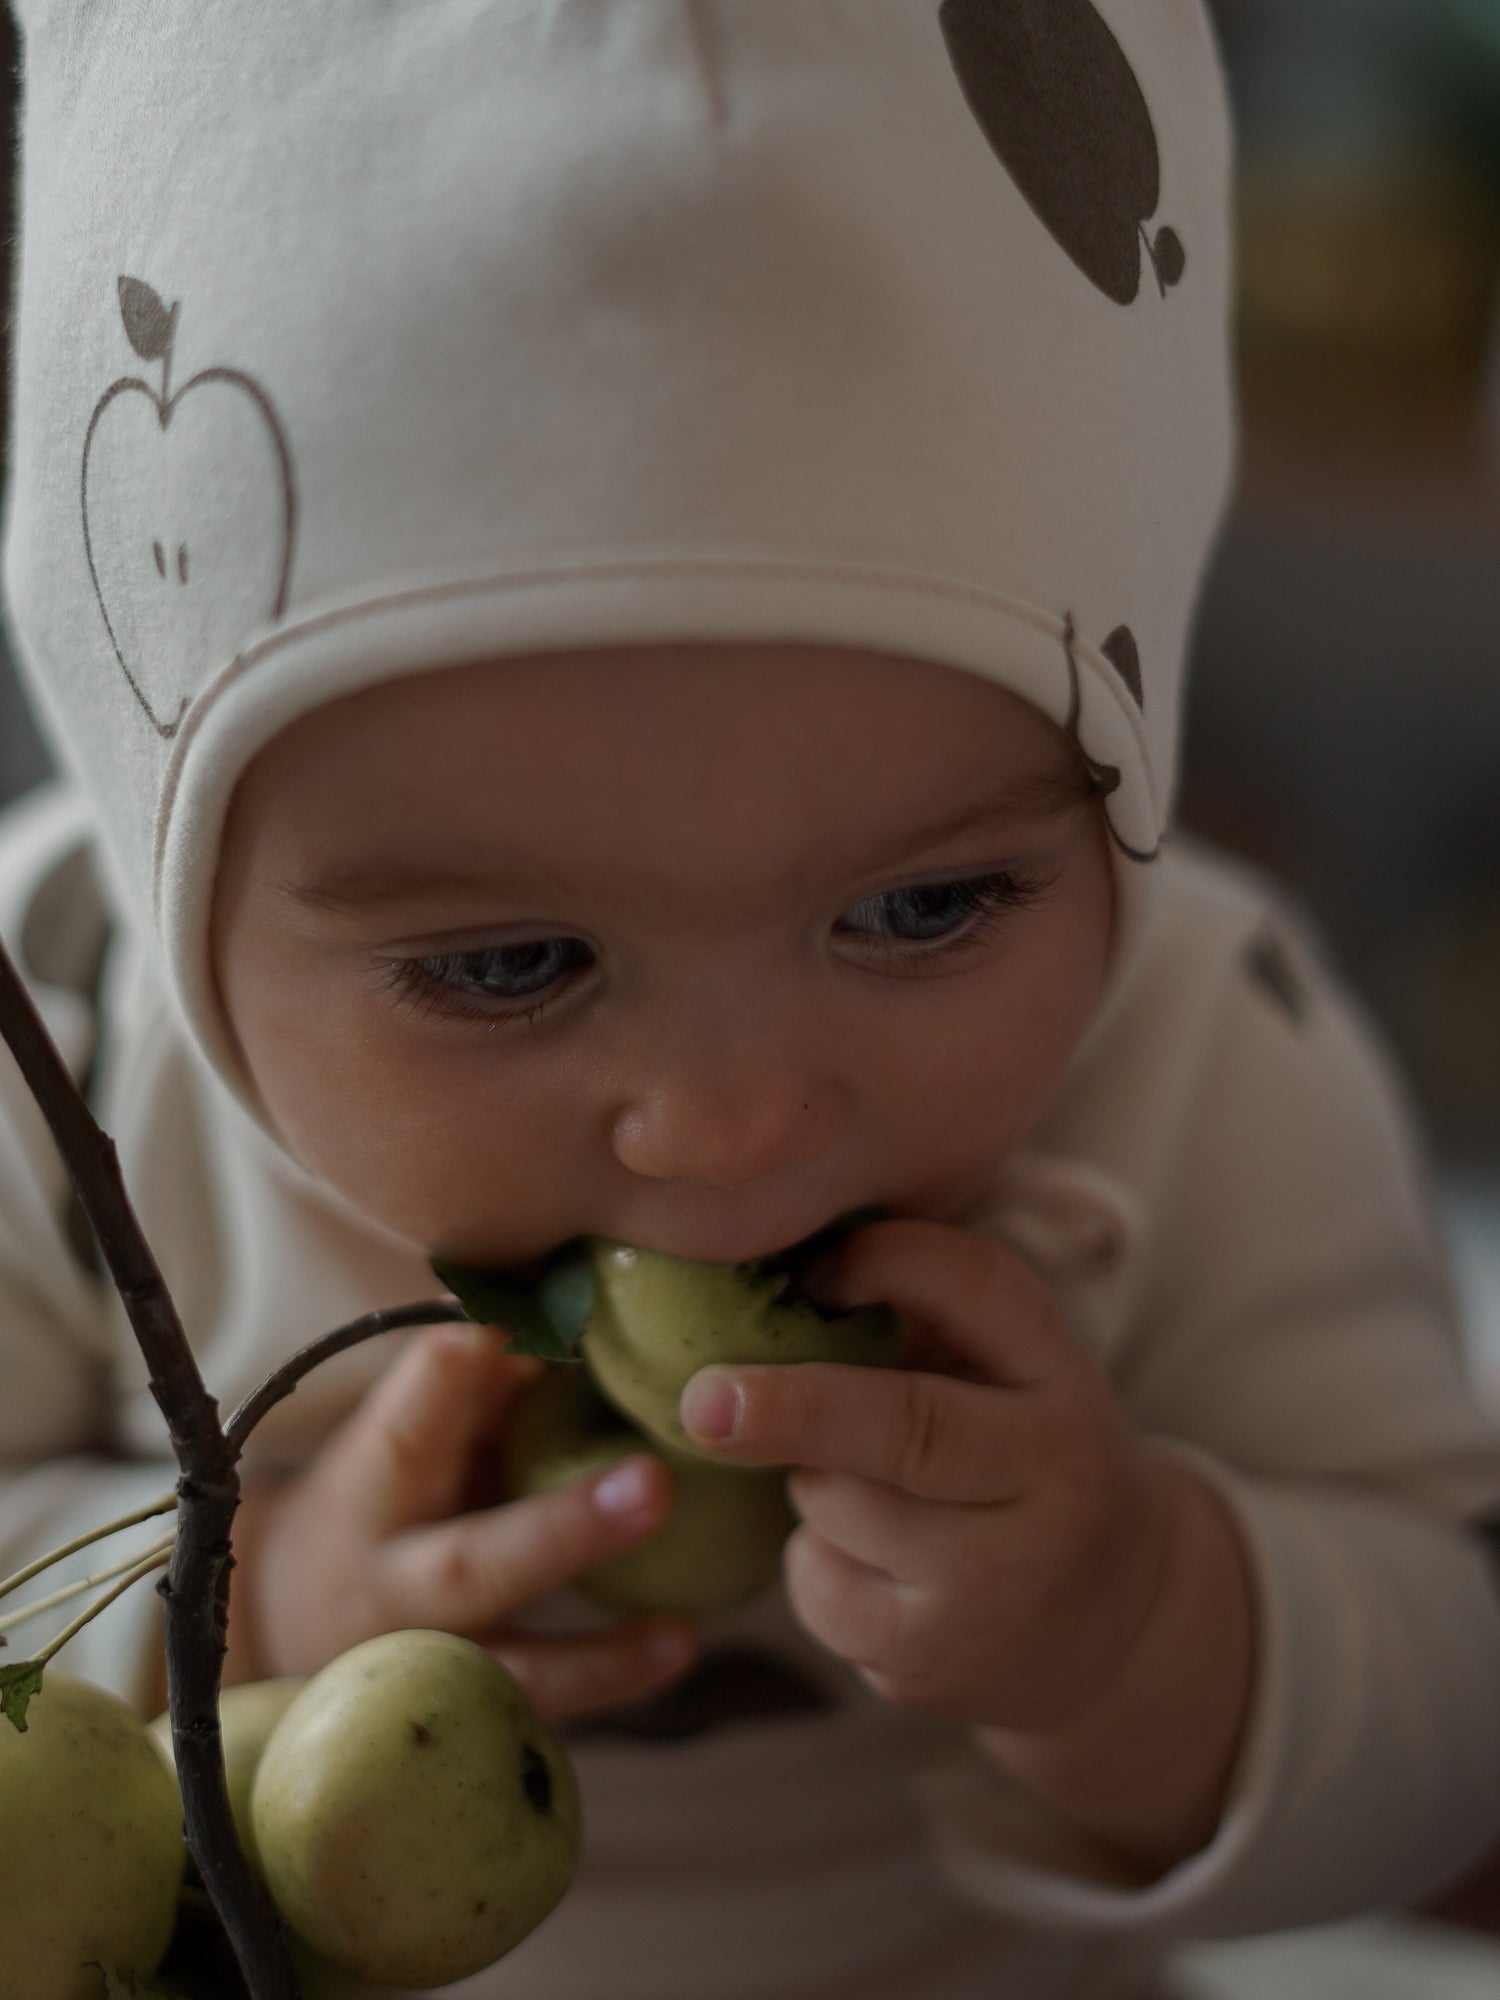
423,984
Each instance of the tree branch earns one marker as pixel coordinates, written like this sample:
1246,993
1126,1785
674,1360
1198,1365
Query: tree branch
133,1575
159,1551
163,1506
282,1381
196,1589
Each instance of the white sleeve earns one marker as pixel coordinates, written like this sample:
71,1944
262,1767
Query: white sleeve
1298,1344
58,1474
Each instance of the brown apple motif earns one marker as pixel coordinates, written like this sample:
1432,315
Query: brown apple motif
1123,654
1056,98
189,513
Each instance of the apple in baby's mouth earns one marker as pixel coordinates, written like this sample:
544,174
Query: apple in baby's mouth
643,1323
721,1544
657,1320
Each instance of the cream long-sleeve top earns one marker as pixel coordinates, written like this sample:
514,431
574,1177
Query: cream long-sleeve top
1231,1206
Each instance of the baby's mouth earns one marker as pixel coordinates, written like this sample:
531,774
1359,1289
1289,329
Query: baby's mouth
788,1262
797,1256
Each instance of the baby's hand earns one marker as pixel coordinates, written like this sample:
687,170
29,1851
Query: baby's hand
370,1537
983,1534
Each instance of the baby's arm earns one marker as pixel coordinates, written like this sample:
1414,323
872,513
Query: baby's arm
1296,1350
1201,1583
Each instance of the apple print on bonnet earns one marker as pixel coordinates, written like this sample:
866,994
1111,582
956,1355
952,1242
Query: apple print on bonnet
355,340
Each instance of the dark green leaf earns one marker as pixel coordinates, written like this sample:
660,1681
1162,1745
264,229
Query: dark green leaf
565,1292
18,1683
148,321
524,1306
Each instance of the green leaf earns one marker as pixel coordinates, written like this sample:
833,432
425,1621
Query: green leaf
544,1307
18,1683
565,1291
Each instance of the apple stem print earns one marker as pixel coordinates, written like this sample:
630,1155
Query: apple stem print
1059,104
126,497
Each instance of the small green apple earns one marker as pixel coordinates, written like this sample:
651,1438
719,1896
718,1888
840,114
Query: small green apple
90,1845
656,1320
415,1817
247,1715
722,1543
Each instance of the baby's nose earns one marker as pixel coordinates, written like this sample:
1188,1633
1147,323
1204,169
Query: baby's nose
726,1138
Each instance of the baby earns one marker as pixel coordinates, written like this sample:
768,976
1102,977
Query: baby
610,582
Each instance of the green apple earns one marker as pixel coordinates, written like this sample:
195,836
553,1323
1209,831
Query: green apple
247,1715
90,1845
656,1320
722,1543
415,1817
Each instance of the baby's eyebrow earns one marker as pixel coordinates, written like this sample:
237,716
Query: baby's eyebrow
1048,794
1044,795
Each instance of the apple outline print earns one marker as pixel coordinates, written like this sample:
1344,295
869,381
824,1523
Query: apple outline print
151,327
1062,109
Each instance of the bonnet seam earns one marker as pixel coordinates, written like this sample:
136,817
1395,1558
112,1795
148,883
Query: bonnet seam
908,584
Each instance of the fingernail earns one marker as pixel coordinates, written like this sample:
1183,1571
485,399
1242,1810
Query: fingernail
624,1490
711,1404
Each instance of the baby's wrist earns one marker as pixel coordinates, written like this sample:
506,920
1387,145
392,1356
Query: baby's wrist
1146,1765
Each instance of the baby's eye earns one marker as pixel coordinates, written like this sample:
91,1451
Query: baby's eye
929,922
483,983
935,910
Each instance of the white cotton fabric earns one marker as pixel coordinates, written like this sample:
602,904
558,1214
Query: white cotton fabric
1235,1099
360,339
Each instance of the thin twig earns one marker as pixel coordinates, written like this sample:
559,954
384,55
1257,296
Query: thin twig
280,1383
164,1506
100,1604
56,1597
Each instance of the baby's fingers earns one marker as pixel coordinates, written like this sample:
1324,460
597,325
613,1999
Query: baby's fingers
404,1454
471,1573
568,1678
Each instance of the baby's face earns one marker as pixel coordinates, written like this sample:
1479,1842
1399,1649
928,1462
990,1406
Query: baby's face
657,943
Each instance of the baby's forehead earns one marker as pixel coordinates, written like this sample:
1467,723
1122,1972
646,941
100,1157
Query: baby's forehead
719,697
754,764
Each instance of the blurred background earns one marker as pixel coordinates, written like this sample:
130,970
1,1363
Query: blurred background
1344,715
